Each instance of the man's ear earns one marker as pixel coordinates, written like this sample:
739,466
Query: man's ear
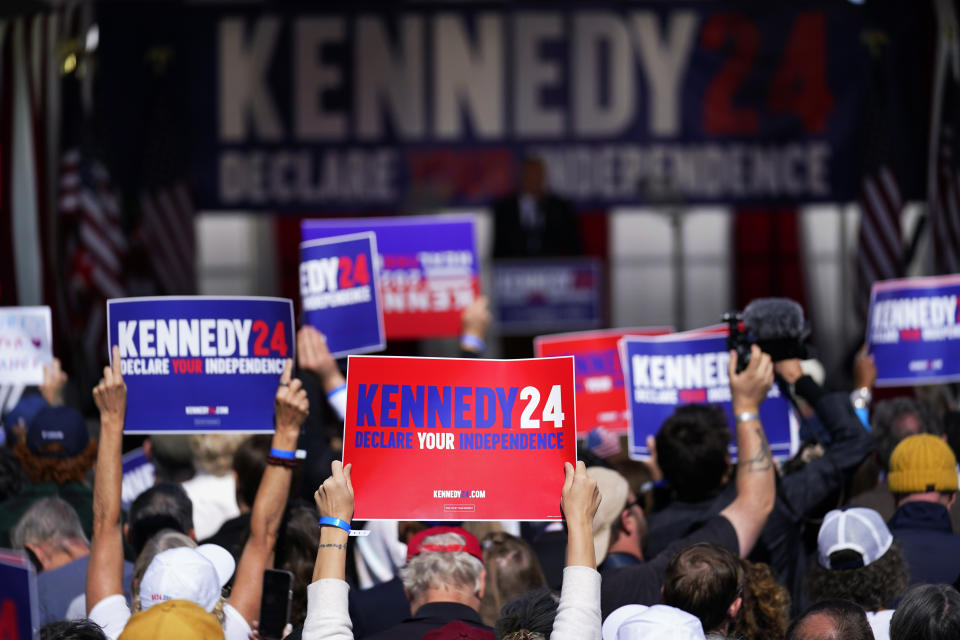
192,534
628,524
126,532
39,552
734,609
483,584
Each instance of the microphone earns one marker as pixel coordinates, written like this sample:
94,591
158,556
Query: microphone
776,325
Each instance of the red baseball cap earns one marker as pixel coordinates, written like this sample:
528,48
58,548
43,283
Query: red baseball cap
415,547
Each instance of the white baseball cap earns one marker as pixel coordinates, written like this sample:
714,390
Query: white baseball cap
197,575
659,622
855,529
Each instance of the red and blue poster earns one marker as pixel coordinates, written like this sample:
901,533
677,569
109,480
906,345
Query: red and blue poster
554,295
429,270
459,438
601,401
19,613
340,292
665,372
198,364
913,330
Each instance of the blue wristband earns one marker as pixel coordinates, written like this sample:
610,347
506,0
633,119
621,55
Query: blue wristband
334,392
327,521
283,455
473,342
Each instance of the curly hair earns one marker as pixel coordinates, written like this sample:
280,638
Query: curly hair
766,605
871,587
61,471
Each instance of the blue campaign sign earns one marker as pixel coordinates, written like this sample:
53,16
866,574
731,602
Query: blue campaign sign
913,330
198,364
340,292
428,272
19,615
548,295
666,372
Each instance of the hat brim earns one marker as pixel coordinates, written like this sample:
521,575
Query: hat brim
221,560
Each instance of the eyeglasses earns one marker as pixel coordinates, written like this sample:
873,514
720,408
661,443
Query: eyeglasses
636,502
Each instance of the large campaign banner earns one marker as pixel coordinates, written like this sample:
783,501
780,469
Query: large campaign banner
601,401
665,372
428,272
19,607
197,364
373,106
26,344
548,295
340,292
459,439
913,330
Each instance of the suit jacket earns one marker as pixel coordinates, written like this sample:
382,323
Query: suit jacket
558,233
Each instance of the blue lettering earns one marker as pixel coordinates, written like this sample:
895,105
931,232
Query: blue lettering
438,407
366,439
506,404
541,441
359,439
365,405
408,441
486,408
387,404
559,440
496,440
411,406
460,406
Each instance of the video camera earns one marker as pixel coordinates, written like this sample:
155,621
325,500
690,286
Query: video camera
776,325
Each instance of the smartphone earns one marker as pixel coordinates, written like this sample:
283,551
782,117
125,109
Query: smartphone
275,603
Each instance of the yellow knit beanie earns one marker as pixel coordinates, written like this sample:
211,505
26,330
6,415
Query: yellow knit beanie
922,463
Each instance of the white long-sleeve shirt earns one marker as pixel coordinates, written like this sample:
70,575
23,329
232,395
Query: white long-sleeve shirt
578,614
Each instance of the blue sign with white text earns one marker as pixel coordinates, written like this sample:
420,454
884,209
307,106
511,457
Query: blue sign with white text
19,616
913,330
666,372
340,292
533,296
201,364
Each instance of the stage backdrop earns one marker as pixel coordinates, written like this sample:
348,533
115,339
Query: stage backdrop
386,107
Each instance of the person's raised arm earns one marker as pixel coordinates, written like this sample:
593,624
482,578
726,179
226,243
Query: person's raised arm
579,500
314,356
578,612
334,499
54,380
290,410
328,616
474,322
105,569
756,483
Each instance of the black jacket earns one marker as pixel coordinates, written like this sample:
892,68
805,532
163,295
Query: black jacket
432,616
558,235
789,536
928,542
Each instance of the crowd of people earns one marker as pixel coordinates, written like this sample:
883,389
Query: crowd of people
856,536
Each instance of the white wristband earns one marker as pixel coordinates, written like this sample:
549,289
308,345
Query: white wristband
747,416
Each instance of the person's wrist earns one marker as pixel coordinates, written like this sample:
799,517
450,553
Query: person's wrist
745,406
333,381
333,535
285,437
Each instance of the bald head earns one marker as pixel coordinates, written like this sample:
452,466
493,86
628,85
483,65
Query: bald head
831,620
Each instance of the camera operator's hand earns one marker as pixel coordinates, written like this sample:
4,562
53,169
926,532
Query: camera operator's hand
864,370
749,387
790,370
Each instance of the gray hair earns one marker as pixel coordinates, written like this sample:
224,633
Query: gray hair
49,520
160,542
432,569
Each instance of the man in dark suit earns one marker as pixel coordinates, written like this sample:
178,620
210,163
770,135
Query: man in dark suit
533,223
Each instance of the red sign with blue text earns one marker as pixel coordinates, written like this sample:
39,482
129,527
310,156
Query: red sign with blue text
459,438
196,364
601,401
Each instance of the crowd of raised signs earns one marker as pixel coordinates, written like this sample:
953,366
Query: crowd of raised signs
170,536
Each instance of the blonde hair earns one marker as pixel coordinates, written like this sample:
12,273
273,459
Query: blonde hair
213,452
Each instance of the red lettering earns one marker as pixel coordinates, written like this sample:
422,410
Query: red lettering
279,340
262,330
720,116
361,272
800,84
346,264
9,624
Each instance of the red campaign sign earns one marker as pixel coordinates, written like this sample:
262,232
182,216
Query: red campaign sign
601,401
459,438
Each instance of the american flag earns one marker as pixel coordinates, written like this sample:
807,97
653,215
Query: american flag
603,443
880,253
943,181
98,249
